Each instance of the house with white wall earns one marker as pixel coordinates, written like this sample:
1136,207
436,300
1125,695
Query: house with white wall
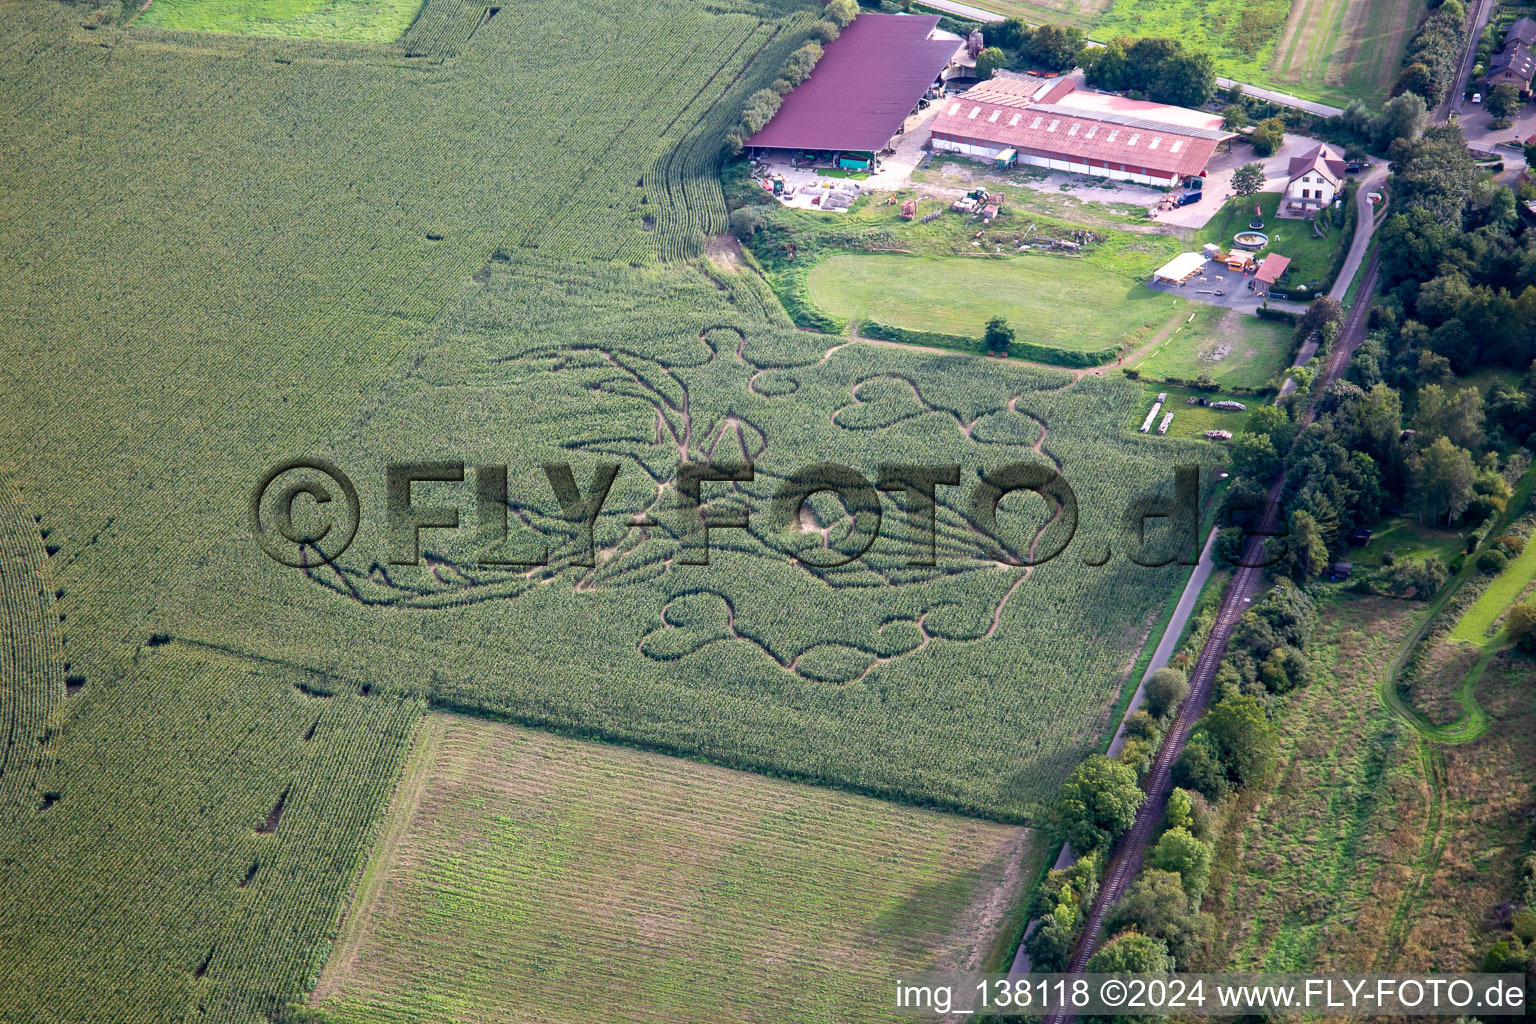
1315,179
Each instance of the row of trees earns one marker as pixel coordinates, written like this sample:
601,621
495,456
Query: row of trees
1435,52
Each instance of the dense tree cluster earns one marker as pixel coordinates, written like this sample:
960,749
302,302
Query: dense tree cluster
1161,69
1061,904
1459,279
1097,803
1429,68
1039,48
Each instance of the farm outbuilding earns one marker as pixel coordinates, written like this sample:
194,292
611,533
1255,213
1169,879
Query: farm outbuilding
1049,123
1270,271
1181,268
866,84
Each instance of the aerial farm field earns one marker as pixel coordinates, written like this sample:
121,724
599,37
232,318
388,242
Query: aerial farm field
1377,848
483,242
1331,51
602,878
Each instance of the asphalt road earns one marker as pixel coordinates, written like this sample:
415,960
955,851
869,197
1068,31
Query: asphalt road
963,10
1285,99
1455,100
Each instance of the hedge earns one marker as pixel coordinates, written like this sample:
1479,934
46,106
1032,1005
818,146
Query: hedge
1019,349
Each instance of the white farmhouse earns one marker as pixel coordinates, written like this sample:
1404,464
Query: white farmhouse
1316,177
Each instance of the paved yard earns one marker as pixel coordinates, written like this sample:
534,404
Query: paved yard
1222,287
1474,125
1218,182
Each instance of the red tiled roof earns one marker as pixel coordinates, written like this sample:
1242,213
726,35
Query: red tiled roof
864,86
1271,269
1080,136
1321,159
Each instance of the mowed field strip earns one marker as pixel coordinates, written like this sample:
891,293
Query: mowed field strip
371,20
520,873
1343,48
1051,301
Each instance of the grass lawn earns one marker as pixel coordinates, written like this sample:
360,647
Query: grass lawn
1311,257
519,870
1408,540
1234,349
1189,421
1058,301
1477,624
363,20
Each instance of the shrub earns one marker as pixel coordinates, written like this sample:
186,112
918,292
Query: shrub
1520,624
1097,802
1491,561
746,221
1166,690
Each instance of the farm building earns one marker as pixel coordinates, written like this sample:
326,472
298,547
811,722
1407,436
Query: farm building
1052,124
1270,271
866,84
1315,179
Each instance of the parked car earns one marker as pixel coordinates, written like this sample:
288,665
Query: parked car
1190,197
1477,97
1354,167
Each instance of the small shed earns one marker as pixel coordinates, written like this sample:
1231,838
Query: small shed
1270,271
1341,571
1359,537
1181,268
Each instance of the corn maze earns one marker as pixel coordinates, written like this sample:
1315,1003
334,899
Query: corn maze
976,662
481,242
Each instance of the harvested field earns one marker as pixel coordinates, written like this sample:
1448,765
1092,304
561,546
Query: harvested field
520,871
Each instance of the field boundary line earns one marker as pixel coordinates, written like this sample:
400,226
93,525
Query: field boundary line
358,907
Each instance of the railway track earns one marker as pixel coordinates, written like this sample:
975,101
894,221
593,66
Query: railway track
1125,860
